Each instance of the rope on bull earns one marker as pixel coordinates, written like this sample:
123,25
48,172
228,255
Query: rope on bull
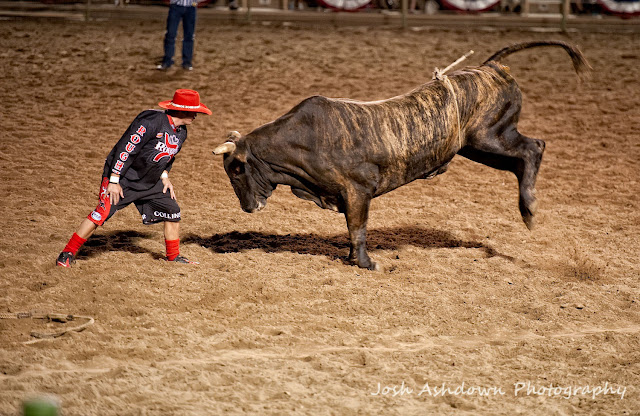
439,74
57,317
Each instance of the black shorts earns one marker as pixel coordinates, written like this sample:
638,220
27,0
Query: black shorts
154,205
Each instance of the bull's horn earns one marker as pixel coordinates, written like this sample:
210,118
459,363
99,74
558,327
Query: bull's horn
226,147
233,135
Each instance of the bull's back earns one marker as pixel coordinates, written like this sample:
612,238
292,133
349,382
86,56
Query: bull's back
400,138
491,96
409,136
390,142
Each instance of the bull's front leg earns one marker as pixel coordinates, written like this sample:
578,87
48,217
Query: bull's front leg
357,214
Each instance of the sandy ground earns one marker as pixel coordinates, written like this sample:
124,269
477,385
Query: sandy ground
273,321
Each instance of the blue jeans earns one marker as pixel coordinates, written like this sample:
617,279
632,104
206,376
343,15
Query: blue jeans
188,17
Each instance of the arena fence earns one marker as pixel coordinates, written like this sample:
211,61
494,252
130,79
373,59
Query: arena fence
565,15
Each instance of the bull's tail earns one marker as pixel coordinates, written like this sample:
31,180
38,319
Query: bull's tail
580,63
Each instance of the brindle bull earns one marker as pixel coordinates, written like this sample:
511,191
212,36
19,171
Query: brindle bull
341,153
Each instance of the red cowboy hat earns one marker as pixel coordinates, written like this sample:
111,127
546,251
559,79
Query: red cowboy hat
185,100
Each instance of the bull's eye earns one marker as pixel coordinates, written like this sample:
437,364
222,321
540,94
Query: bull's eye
236,167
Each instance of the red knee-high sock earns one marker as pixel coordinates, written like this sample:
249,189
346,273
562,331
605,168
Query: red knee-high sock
74,244
173,248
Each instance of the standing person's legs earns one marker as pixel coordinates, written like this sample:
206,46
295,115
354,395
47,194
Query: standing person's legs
189,28
172,242
172,239
86,229
173,20
171,230
68,254
158,207
97,217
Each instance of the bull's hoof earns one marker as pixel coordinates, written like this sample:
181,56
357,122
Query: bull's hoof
374,266
528,213
529,221
370,265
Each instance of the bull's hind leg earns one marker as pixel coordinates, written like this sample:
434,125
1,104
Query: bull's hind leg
527,174
516,153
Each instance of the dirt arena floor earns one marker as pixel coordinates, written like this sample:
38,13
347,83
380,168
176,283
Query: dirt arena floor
273,321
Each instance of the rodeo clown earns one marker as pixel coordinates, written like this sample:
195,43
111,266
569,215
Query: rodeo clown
137,171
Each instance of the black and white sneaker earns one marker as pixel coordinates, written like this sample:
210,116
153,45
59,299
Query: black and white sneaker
66,259
182,259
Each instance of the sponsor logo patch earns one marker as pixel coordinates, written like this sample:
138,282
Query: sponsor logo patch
96,216
166,216
168,148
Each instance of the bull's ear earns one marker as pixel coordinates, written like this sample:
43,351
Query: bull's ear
241,151
226,147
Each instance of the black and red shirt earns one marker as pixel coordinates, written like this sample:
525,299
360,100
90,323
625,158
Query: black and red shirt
147,148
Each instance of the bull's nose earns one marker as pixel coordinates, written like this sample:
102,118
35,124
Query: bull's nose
251,209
